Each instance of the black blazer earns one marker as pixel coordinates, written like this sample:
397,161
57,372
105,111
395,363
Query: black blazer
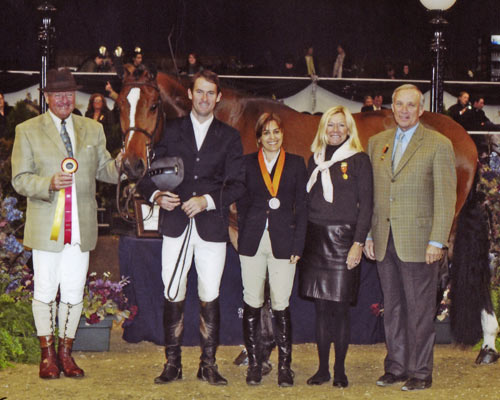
287,224
216,169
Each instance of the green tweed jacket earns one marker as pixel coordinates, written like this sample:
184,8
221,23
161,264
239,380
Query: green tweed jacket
37,154
417,201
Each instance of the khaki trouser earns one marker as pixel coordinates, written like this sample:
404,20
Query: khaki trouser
253,274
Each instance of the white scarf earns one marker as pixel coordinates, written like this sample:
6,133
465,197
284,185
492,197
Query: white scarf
343,152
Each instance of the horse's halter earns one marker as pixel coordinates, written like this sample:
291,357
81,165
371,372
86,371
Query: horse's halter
150,136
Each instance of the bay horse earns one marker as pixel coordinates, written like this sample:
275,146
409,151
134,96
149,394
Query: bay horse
146,99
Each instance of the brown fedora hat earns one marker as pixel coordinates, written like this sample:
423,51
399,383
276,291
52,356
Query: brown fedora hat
60,80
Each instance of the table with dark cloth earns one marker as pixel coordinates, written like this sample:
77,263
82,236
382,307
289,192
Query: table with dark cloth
140,259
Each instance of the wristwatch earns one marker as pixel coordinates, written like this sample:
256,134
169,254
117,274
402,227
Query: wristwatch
360,244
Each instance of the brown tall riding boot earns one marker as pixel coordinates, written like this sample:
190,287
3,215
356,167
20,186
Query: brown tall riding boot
48,364
66,362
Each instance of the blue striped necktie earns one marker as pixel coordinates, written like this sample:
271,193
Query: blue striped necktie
65,138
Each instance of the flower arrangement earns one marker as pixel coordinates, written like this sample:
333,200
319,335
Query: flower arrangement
377,309
444,306
104,297
489,185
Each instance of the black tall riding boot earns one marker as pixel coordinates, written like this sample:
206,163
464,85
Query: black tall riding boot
173,324
284,342
209,340
251,319
267,341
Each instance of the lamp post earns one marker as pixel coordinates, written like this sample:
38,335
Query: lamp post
438,47
46,36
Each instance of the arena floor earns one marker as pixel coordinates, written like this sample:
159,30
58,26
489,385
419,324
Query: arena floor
127,372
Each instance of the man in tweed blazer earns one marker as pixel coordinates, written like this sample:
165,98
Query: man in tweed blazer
414,205
60,258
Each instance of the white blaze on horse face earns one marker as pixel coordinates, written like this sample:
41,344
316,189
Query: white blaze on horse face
133,98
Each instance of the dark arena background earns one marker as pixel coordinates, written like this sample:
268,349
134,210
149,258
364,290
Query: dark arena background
258,32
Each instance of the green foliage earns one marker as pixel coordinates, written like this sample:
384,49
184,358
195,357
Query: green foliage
20,113
18,343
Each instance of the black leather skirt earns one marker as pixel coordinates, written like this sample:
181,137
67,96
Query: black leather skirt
323,272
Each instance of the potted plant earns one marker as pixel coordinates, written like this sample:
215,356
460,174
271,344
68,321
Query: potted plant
103,302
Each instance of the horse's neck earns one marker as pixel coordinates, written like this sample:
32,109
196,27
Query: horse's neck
174,96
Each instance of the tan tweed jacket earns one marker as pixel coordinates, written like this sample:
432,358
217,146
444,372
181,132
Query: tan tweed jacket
418,200
37,154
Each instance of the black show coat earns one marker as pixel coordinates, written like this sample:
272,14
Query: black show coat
287,224
216,169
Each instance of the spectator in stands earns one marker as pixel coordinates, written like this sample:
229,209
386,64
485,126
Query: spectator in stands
338,66
5,109
307,65
373,104
192,65
389,72
462,111
480,122
111,91
100,63
367,104
98,110
289,67
378,100
137,57
405,74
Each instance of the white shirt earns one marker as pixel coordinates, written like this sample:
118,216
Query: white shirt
200,129
75,223
270,164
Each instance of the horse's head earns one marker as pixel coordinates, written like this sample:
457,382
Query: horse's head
141,118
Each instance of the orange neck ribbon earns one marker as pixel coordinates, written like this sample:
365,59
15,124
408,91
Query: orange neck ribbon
273,186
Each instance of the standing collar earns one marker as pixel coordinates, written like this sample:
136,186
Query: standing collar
199,124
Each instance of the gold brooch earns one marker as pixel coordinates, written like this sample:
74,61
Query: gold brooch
343,168
384,150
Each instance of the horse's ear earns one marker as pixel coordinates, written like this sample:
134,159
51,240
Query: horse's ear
128,69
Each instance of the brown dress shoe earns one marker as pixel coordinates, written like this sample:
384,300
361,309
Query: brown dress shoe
48,364
66,362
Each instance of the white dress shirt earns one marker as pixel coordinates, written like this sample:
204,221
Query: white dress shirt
75,223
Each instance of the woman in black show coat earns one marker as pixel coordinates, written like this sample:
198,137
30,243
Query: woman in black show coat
340,202
272,218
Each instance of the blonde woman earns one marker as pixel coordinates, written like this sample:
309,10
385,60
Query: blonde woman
339,215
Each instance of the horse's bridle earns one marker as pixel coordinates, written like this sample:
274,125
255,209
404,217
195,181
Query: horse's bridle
150,136
124,214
